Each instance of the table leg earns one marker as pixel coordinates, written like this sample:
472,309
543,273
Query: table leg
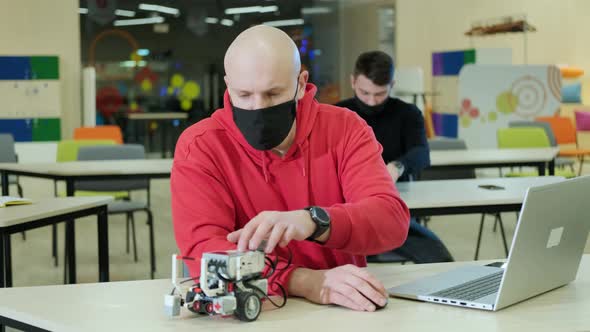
149,139
552,167
541,168
103,245
4,179
164,133
7,261
70,239
1,260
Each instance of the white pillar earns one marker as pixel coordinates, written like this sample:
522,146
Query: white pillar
89,97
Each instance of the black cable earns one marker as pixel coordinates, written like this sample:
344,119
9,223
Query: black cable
189,279
261,293
289,260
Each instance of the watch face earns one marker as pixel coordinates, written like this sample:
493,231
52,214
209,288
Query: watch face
321,215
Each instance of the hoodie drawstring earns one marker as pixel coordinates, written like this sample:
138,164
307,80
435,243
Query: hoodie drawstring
302,159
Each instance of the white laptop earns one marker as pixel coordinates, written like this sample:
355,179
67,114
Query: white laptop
545,254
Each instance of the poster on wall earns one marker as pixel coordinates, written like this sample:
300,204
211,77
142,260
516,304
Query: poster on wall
491,96
30,94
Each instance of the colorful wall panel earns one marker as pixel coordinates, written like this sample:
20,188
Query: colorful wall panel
30,95
490,96
446,67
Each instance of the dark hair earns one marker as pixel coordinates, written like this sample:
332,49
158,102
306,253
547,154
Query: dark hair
376,65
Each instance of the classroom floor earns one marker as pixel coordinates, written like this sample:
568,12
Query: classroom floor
33,263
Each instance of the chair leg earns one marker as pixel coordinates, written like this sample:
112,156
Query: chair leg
134,238
19,188
152,243
54,244
127,232
581,165
496,215
65,260
479,236
499,219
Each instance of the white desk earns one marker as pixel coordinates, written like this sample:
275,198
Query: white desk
85,170
138,306
482,158
16,219
440,197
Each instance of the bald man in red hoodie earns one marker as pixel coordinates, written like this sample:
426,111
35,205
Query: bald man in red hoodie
275,165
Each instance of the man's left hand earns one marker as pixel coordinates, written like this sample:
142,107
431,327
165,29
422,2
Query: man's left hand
277,228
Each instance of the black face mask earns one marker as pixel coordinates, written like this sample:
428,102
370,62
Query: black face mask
369,110
266,128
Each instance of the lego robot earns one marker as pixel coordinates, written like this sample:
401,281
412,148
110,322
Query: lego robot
231,283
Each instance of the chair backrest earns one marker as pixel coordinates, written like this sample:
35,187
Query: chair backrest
112,152
67,150
108,132
7,151
546,126
582,120
563,129
447,144
522,137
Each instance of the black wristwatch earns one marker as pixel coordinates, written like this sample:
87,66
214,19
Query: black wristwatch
321,218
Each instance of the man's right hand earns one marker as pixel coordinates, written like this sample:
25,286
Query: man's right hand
348,286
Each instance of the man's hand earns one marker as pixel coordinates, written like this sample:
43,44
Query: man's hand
277,228
392,171
348,286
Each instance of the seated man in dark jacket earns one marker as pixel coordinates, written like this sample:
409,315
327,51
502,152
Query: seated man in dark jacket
399,127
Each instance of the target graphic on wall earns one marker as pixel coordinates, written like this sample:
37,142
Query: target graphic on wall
531,95
554,81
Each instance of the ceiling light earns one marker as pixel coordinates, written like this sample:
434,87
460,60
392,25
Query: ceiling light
251,9
227,23
160,9
139,21
316,10
284,23
143,52
211,20
126,13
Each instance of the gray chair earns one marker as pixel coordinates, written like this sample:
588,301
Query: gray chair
467,173
559,161
452,174
127,207
8,155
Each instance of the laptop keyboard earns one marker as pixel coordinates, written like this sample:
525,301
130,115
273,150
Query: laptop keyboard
474,289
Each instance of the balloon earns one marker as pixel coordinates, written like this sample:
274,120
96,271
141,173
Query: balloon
191,90
133,106
186,104
176,81
146,85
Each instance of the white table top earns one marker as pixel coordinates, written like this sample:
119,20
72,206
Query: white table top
491,156
138,306
465,192
45,208
102,167
158,116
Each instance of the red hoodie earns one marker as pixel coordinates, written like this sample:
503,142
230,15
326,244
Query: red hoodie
219,183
